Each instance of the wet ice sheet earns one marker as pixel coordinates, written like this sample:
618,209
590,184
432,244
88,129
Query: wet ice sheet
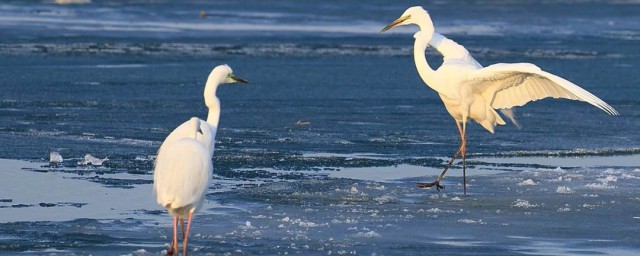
522,206
31,192
589,161
391,173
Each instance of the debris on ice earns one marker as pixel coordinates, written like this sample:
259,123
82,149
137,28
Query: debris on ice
55,157
89,159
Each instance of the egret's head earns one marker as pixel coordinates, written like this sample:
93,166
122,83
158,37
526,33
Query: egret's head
413,15
224,75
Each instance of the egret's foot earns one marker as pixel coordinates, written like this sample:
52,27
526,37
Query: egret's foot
172,251
430,184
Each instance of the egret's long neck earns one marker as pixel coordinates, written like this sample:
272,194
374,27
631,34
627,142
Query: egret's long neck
212,102
425,71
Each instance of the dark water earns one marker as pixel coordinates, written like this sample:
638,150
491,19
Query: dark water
113,78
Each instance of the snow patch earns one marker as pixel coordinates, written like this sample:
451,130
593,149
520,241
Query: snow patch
468,221
608,179
385,199
564,209
599,186
307,224
604,183
521,203
137,253
370,234
434,210
527,182
564,190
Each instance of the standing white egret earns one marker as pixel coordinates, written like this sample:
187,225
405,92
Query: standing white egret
207,134
181,178
219,75
470,91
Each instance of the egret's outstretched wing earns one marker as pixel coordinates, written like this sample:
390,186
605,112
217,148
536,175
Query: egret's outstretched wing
512,85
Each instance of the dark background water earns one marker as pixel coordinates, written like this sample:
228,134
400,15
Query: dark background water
116,77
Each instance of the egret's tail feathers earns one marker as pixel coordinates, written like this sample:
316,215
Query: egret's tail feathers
511,114
492,119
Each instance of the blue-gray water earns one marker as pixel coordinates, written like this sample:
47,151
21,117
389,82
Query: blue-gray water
113,78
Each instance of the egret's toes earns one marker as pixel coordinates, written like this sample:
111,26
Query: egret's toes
430,184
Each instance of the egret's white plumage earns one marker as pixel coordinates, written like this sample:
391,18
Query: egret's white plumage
182,172
184,166
181,178
470,91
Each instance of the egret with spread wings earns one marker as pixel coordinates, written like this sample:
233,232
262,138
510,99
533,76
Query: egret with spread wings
471,92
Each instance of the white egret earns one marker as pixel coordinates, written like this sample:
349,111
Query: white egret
206,137
219,75
470,91
181,178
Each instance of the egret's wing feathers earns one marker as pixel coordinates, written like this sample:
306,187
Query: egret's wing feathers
451,50
512,85
182,174
184,131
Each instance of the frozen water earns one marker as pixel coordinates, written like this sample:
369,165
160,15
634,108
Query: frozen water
113,78
322,213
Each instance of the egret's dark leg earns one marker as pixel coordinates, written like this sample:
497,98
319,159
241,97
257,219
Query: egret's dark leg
182,227
446,168
463,148
173,249
186,235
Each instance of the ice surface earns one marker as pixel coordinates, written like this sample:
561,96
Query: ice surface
322,213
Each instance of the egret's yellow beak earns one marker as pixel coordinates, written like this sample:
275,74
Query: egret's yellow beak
395,23
237,79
